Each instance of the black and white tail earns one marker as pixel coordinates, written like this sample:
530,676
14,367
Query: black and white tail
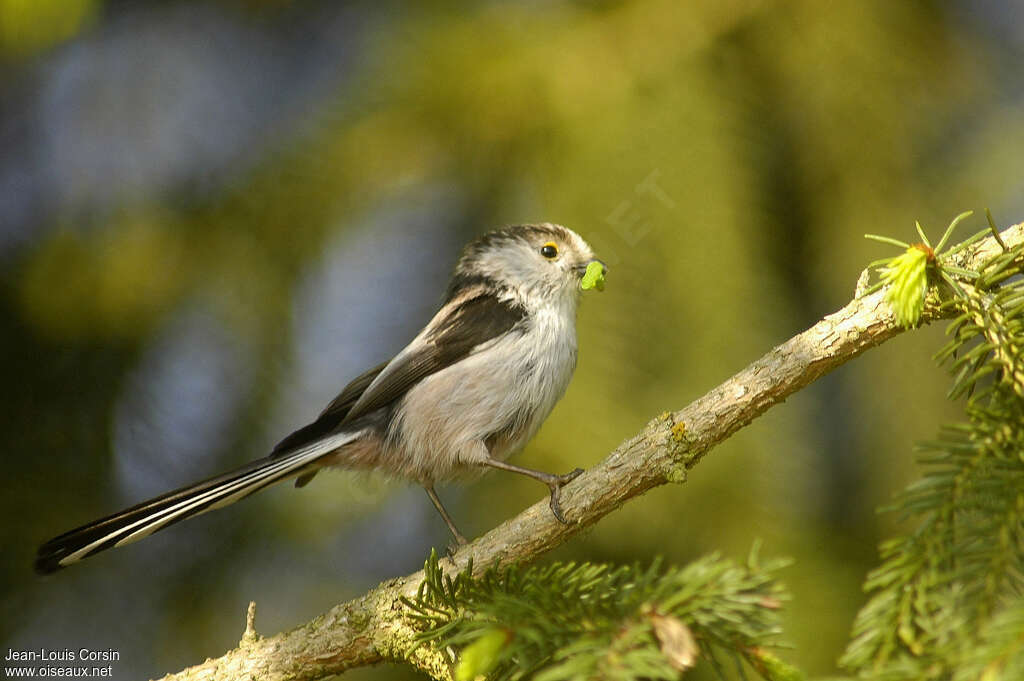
142,520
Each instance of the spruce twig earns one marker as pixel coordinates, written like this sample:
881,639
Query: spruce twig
947,596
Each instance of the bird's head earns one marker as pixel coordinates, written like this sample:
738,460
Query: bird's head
544,261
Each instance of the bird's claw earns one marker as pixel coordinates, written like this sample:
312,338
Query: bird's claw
570,476
556,508
556,489
455,544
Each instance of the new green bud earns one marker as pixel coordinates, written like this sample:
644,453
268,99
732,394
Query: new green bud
907,276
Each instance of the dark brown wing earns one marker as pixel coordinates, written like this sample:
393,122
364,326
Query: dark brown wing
453,333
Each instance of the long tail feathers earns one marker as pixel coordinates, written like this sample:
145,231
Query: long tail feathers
144,519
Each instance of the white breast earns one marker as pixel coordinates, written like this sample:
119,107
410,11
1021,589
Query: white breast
499,395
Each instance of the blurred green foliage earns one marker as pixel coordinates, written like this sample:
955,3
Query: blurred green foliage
28,26
724,159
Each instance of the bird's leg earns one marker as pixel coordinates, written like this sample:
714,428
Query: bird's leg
554,482
434,499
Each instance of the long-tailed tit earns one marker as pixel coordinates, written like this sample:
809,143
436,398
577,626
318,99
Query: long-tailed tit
468,392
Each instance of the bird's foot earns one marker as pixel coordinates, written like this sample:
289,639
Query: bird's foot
457,542
555,484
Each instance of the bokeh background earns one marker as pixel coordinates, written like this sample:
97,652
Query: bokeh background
213,214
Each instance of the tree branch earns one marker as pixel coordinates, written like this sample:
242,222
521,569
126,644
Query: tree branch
374,628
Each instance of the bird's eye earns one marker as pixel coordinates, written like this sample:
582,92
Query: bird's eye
549,250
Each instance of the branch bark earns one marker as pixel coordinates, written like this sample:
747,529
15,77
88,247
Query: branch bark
374,628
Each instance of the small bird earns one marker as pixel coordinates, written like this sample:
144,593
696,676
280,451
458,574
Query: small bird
469,391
